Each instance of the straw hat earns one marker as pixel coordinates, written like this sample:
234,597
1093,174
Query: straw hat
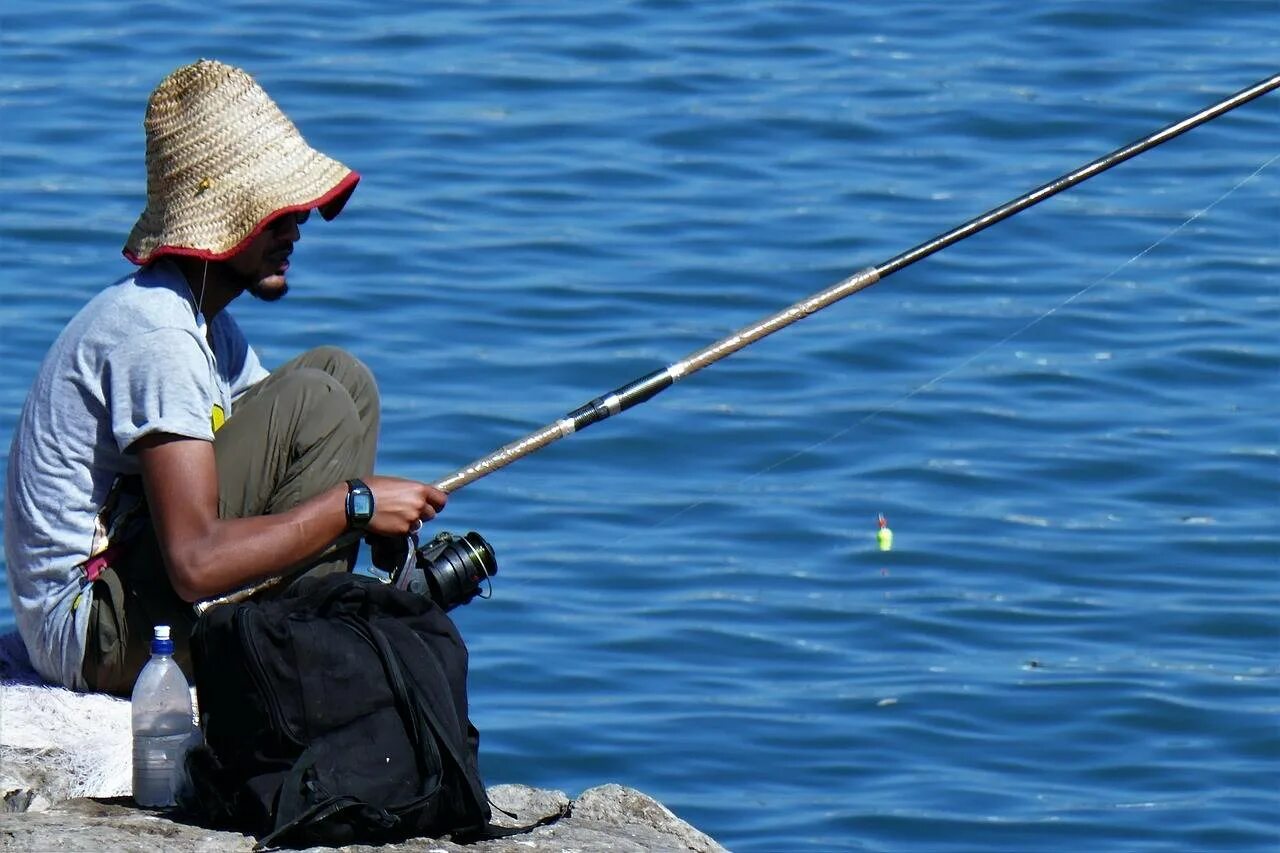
222,162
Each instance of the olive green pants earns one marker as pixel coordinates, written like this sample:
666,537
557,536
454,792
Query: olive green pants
311,424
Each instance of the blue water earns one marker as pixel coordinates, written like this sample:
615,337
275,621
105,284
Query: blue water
1070,420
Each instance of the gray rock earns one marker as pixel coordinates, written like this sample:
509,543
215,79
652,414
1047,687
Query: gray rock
64,764
606,818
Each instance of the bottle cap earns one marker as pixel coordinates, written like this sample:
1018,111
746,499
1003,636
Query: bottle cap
160,642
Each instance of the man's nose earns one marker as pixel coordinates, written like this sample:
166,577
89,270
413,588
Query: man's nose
287,227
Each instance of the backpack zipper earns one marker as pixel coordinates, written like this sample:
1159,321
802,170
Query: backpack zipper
257,673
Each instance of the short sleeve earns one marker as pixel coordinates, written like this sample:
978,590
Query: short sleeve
244,370
251,373
159,382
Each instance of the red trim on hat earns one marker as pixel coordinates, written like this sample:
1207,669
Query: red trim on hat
330,205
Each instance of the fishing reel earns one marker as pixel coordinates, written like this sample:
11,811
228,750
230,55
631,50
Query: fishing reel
448,569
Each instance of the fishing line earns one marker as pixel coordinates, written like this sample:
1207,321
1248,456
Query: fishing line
1030,324
951,371
649,386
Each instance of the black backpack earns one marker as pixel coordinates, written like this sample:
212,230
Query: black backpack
334,714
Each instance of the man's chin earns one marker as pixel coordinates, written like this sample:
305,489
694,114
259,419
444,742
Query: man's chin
269,289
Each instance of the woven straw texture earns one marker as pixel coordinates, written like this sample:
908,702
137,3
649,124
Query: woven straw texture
222,161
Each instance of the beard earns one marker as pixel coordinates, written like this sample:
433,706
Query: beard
268,293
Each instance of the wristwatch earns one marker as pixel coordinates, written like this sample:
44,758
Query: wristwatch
359,505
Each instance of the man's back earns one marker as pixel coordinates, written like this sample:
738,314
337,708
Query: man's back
132,361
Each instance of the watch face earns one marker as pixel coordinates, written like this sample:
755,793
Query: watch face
362,505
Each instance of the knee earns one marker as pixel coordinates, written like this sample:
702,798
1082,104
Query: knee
337,363
349,371
331,359
316,396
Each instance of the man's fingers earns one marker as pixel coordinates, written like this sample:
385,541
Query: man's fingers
433,501
403,505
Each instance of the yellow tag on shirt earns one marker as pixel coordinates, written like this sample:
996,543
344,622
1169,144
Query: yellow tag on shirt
217,417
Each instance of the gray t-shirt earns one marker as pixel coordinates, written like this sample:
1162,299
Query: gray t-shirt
132,362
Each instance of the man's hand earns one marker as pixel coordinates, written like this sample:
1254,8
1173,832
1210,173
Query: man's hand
388,551
400,506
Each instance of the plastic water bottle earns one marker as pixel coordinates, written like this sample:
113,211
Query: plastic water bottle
162,724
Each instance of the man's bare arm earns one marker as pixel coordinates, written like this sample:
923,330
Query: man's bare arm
207,556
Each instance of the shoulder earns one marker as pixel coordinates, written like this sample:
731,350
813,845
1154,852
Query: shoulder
154,297
150,299
143,307
149,315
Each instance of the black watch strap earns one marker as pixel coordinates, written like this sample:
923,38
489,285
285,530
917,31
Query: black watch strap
359,505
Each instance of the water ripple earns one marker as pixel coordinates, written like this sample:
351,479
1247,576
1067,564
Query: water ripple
1069,420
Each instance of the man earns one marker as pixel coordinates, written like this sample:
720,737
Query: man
156,463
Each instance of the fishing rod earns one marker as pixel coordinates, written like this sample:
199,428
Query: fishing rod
646,387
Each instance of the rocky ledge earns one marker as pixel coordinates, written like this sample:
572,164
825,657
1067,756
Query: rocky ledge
64,768
606,818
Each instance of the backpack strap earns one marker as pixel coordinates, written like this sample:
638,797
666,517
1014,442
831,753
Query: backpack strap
424,707
301,802
482,829
408,703
474,787
492,831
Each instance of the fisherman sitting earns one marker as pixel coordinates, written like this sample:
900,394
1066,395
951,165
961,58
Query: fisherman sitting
156,463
